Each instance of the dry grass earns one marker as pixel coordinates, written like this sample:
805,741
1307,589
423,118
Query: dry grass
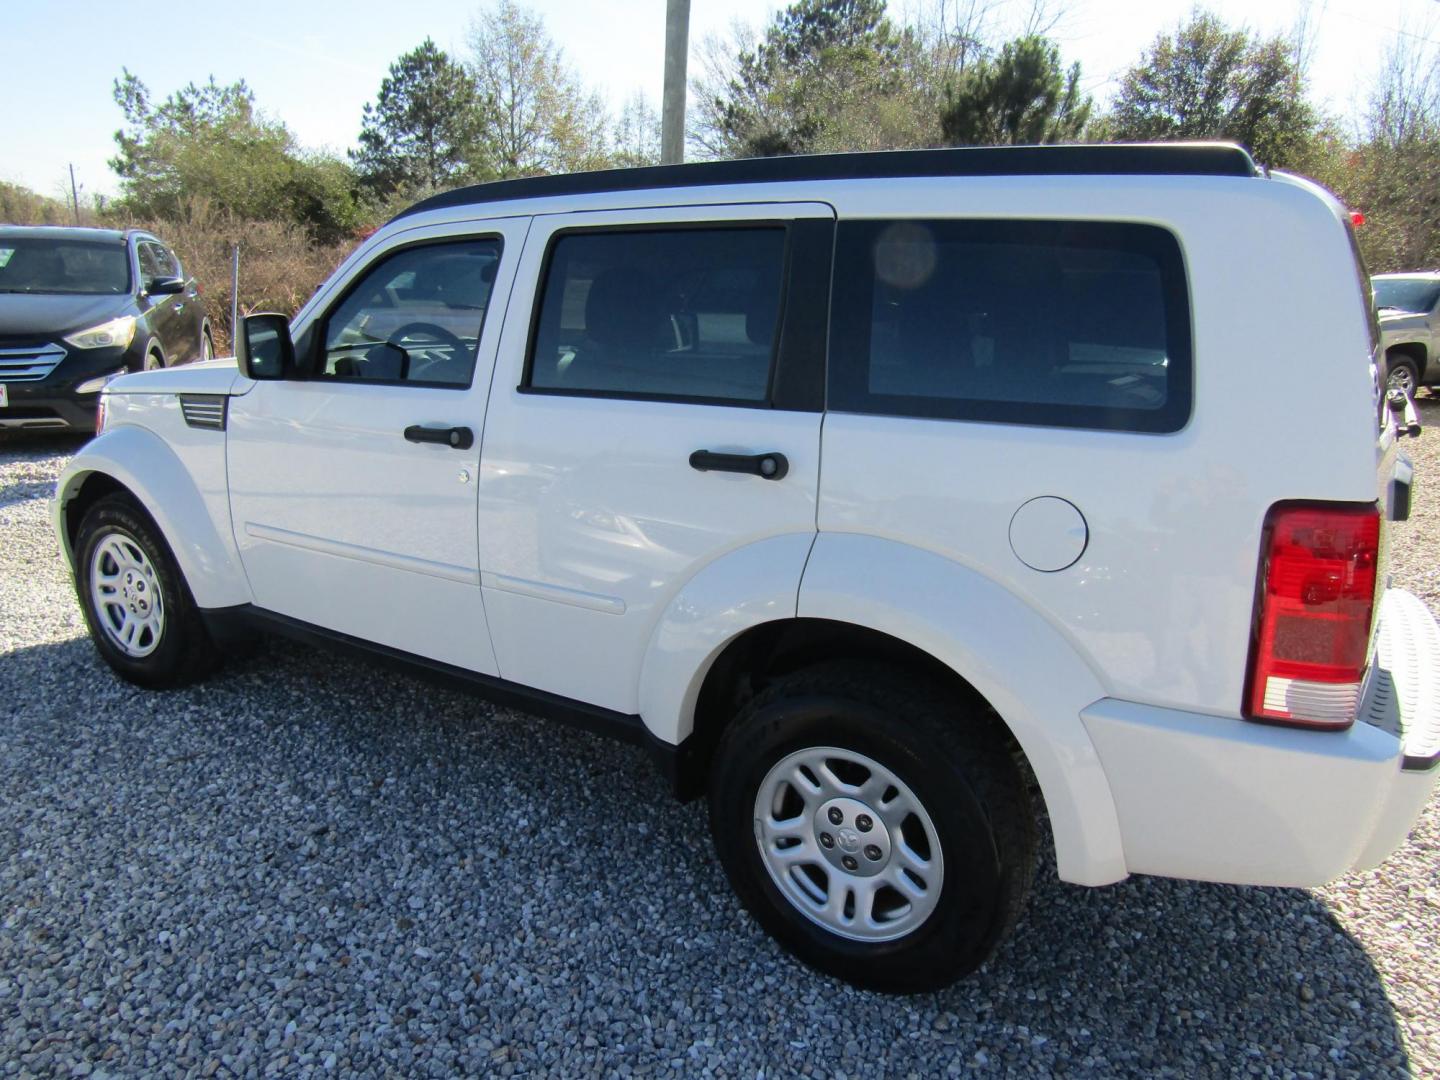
280,266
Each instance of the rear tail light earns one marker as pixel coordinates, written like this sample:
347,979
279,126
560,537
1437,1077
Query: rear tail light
1313,614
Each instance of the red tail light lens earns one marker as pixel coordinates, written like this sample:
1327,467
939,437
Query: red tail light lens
1317,597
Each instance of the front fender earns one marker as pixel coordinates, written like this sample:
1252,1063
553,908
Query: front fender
191,510
1024,667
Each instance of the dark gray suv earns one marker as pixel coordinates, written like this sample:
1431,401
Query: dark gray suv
78,306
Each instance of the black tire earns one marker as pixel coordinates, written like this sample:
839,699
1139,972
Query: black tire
207,344
1402,374
184,651
954,759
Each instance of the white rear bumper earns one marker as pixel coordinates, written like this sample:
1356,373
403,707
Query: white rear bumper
1223,799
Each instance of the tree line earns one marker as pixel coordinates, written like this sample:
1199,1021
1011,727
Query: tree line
820,76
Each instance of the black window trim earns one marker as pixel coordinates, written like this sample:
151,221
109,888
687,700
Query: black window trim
809,395
319,327
850,329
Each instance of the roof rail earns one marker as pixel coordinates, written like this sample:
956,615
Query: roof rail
1098,159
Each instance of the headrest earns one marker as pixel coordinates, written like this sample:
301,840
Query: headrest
624,308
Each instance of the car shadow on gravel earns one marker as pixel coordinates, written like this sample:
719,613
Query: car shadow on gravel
435,819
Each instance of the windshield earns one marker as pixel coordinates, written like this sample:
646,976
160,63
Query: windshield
1406,294
45,265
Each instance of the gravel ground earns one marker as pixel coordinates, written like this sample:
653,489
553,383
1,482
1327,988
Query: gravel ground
304,866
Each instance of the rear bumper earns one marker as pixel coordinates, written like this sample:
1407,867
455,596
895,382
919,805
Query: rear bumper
1222,799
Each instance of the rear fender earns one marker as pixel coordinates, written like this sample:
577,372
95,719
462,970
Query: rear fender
1034,678
752,585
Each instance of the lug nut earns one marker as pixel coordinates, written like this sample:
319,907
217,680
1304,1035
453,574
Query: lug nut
872,853
836,817
849,863
863,823
826,840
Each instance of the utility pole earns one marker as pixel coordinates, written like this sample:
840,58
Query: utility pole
74,195
672,103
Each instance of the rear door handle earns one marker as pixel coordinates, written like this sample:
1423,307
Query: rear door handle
768,466
457,438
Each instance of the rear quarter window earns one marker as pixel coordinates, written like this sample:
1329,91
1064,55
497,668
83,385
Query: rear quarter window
1067,324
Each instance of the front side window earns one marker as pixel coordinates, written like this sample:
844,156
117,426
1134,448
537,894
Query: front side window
415,317
169,265
1069,324
37,265
687,314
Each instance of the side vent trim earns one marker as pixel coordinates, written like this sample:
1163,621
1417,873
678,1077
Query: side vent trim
204,410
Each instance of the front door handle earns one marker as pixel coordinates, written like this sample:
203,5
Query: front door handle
457,438
768,466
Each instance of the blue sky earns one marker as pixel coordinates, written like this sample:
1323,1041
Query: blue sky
314,63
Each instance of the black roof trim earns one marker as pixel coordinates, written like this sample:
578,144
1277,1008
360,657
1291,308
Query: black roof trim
1100,159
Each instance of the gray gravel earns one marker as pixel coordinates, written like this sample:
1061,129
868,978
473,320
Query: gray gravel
306,866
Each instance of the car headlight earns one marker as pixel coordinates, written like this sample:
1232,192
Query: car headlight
115,333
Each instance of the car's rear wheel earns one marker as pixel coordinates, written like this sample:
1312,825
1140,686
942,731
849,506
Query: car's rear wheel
878,832
142,617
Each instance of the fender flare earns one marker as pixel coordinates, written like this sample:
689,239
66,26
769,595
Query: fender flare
142,463
753,584
1036,680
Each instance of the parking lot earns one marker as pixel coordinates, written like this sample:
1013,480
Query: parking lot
306,864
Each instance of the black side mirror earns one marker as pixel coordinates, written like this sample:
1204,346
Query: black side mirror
263,346
165,286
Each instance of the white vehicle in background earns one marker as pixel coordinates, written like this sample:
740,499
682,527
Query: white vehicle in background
879,495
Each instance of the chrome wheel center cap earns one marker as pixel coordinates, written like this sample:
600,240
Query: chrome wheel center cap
852,837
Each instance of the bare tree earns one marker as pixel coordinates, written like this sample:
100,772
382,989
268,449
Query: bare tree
1400,174
636,137
542,119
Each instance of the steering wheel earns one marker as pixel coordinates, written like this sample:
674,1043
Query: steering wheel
440,337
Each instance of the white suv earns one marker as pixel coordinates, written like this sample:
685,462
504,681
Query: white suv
878,495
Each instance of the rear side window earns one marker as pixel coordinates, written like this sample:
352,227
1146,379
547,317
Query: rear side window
1067,324
683,314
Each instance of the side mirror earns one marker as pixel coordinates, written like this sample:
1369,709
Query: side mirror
263,346
165,286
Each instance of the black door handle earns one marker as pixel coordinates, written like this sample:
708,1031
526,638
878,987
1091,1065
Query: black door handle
771,466
457,438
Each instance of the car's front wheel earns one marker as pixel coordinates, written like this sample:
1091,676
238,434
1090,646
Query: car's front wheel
878,832
141,615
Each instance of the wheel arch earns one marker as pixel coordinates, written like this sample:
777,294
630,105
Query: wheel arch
865,596
138,463
1414,351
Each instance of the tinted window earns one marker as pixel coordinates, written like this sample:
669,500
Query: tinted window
33,265
415,317
169,265
687,313
1060,323
156,261
150,263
